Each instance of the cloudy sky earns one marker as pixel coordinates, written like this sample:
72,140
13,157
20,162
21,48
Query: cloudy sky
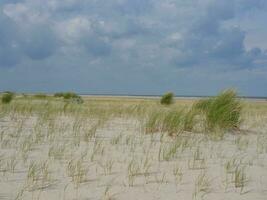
190,47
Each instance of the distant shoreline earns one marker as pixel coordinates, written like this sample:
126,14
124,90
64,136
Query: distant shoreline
141,96
158,96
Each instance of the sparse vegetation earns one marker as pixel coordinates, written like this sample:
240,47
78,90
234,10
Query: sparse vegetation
110,148
40,96
66,95
59,94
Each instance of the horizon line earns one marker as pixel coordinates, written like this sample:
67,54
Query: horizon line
140,95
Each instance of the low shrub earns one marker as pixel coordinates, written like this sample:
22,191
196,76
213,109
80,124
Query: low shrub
59,94
167,98
7,97
66,95
70,96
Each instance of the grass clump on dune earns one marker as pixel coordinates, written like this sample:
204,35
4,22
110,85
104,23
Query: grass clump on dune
222,111
70,96
7,97
170,121
173,122
153,122
190,119
167,98
215,114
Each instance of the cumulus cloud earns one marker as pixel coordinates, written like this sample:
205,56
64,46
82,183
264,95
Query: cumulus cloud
133,36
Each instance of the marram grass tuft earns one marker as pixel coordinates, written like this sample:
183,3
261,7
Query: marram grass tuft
222,111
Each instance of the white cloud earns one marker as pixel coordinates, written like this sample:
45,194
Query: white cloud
24,14
73,29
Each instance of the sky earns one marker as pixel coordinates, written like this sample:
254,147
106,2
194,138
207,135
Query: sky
189,47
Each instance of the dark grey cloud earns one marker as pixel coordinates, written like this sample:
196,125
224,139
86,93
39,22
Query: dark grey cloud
38,42
3,2
18,40
96,46
207,41
9,47
136,7
245,5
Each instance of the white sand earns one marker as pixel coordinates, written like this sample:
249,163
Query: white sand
121,162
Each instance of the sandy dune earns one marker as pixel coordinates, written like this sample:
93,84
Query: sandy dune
70,156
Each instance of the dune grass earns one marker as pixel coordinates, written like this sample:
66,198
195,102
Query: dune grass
222,111
214,115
